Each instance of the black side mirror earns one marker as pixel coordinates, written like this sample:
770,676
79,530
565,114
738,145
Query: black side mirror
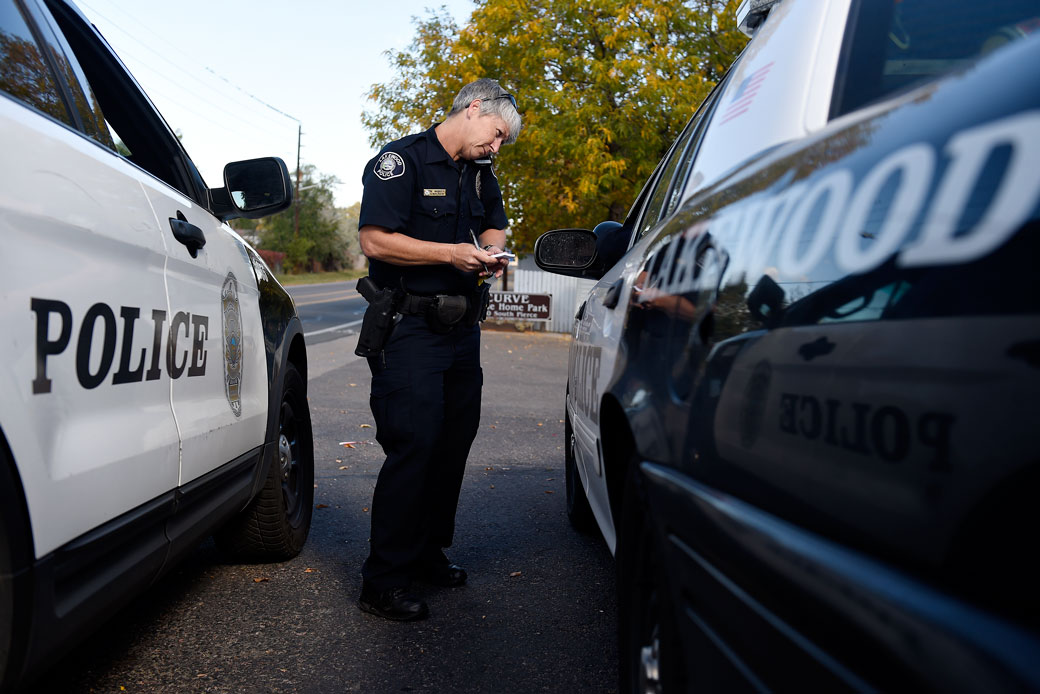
766,302
565,251
252,189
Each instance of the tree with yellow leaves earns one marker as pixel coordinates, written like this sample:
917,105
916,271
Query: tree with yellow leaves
604,87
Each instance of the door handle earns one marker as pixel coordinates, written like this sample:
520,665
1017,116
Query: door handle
187,233
613,294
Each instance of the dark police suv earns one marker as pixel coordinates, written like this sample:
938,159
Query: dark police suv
808,389
152,372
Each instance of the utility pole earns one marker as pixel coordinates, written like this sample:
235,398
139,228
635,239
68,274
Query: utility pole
296,196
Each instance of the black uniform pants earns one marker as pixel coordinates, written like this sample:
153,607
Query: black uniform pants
426,404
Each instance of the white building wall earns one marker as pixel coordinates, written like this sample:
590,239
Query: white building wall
567,294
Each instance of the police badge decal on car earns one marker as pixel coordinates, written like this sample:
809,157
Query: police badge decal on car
232,343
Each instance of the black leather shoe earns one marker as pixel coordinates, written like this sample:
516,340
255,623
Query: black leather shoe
396,603
443,575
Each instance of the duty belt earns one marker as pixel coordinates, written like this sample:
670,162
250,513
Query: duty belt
415,305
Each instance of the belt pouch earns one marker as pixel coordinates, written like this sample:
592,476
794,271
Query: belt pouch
445,312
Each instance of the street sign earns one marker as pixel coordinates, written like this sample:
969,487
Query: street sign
519,306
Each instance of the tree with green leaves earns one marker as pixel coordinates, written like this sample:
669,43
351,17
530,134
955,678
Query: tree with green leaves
604,87
315,241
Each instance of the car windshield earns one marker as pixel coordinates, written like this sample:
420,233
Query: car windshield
897,44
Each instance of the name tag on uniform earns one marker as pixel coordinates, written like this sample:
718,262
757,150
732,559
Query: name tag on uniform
434,192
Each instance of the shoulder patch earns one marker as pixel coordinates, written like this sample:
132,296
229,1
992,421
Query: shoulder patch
389,165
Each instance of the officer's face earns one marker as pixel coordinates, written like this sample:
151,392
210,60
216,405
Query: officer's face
485,136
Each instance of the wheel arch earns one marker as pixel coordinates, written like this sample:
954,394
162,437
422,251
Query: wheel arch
284,344
17,548
618,450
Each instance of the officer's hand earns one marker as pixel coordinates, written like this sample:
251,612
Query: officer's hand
498,265
469,258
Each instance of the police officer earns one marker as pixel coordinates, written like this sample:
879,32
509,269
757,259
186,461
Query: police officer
431,220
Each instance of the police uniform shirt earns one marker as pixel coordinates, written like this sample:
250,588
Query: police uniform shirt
414,187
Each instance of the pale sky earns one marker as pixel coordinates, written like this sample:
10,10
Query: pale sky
208,64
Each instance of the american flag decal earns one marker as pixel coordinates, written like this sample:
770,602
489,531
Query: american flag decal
745,94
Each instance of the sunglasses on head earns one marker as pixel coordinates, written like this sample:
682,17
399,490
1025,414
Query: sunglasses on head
512,99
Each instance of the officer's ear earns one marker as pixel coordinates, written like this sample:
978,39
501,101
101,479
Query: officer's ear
474,108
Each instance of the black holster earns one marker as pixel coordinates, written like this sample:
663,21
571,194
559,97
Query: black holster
379,319
479,304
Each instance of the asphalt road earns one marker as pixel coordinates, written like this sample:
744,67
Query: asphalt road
538,614
328,311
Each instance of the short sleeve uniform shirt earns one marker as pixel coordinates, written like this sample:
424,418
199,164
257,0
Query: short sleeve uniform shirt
414,187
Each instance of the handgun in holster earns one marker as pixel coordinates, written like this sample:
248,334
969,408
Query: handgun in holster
379,319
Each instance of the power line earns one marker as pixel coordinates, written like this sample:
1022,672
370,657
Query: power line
222,126
222,94
239,118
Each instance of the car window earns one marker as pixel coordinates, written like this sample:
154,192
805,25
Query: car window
896,45
675,170
92,120
659,195
140,133
25,73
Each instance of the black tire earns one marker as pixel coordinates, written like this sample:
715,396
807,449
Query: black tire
275,525
578,510
649,650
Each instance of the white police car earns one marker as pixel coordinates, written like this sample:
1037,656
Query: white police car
153,378
804,389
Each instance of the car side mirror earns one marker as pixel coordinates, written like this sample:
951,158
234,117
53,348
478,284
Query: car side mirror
766,302
252,189
565,251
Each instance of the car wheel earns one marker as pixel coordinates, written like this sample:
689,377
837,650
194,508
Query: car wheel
578,510
275,525
648,645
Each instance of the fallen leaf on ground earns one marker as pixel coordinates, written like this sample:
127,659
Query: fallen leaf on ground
492,486
322,506
515,574
365,509
366,426
548,491
353,385
344,467
347,444
539,424
338,460
309,571
261,579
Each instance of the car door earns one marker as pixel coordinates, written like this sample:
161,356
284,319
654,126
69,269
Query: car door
215,357
598,331
86,405
218,365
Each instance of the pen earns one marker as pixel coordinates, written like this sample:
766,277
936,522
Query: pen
477,244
